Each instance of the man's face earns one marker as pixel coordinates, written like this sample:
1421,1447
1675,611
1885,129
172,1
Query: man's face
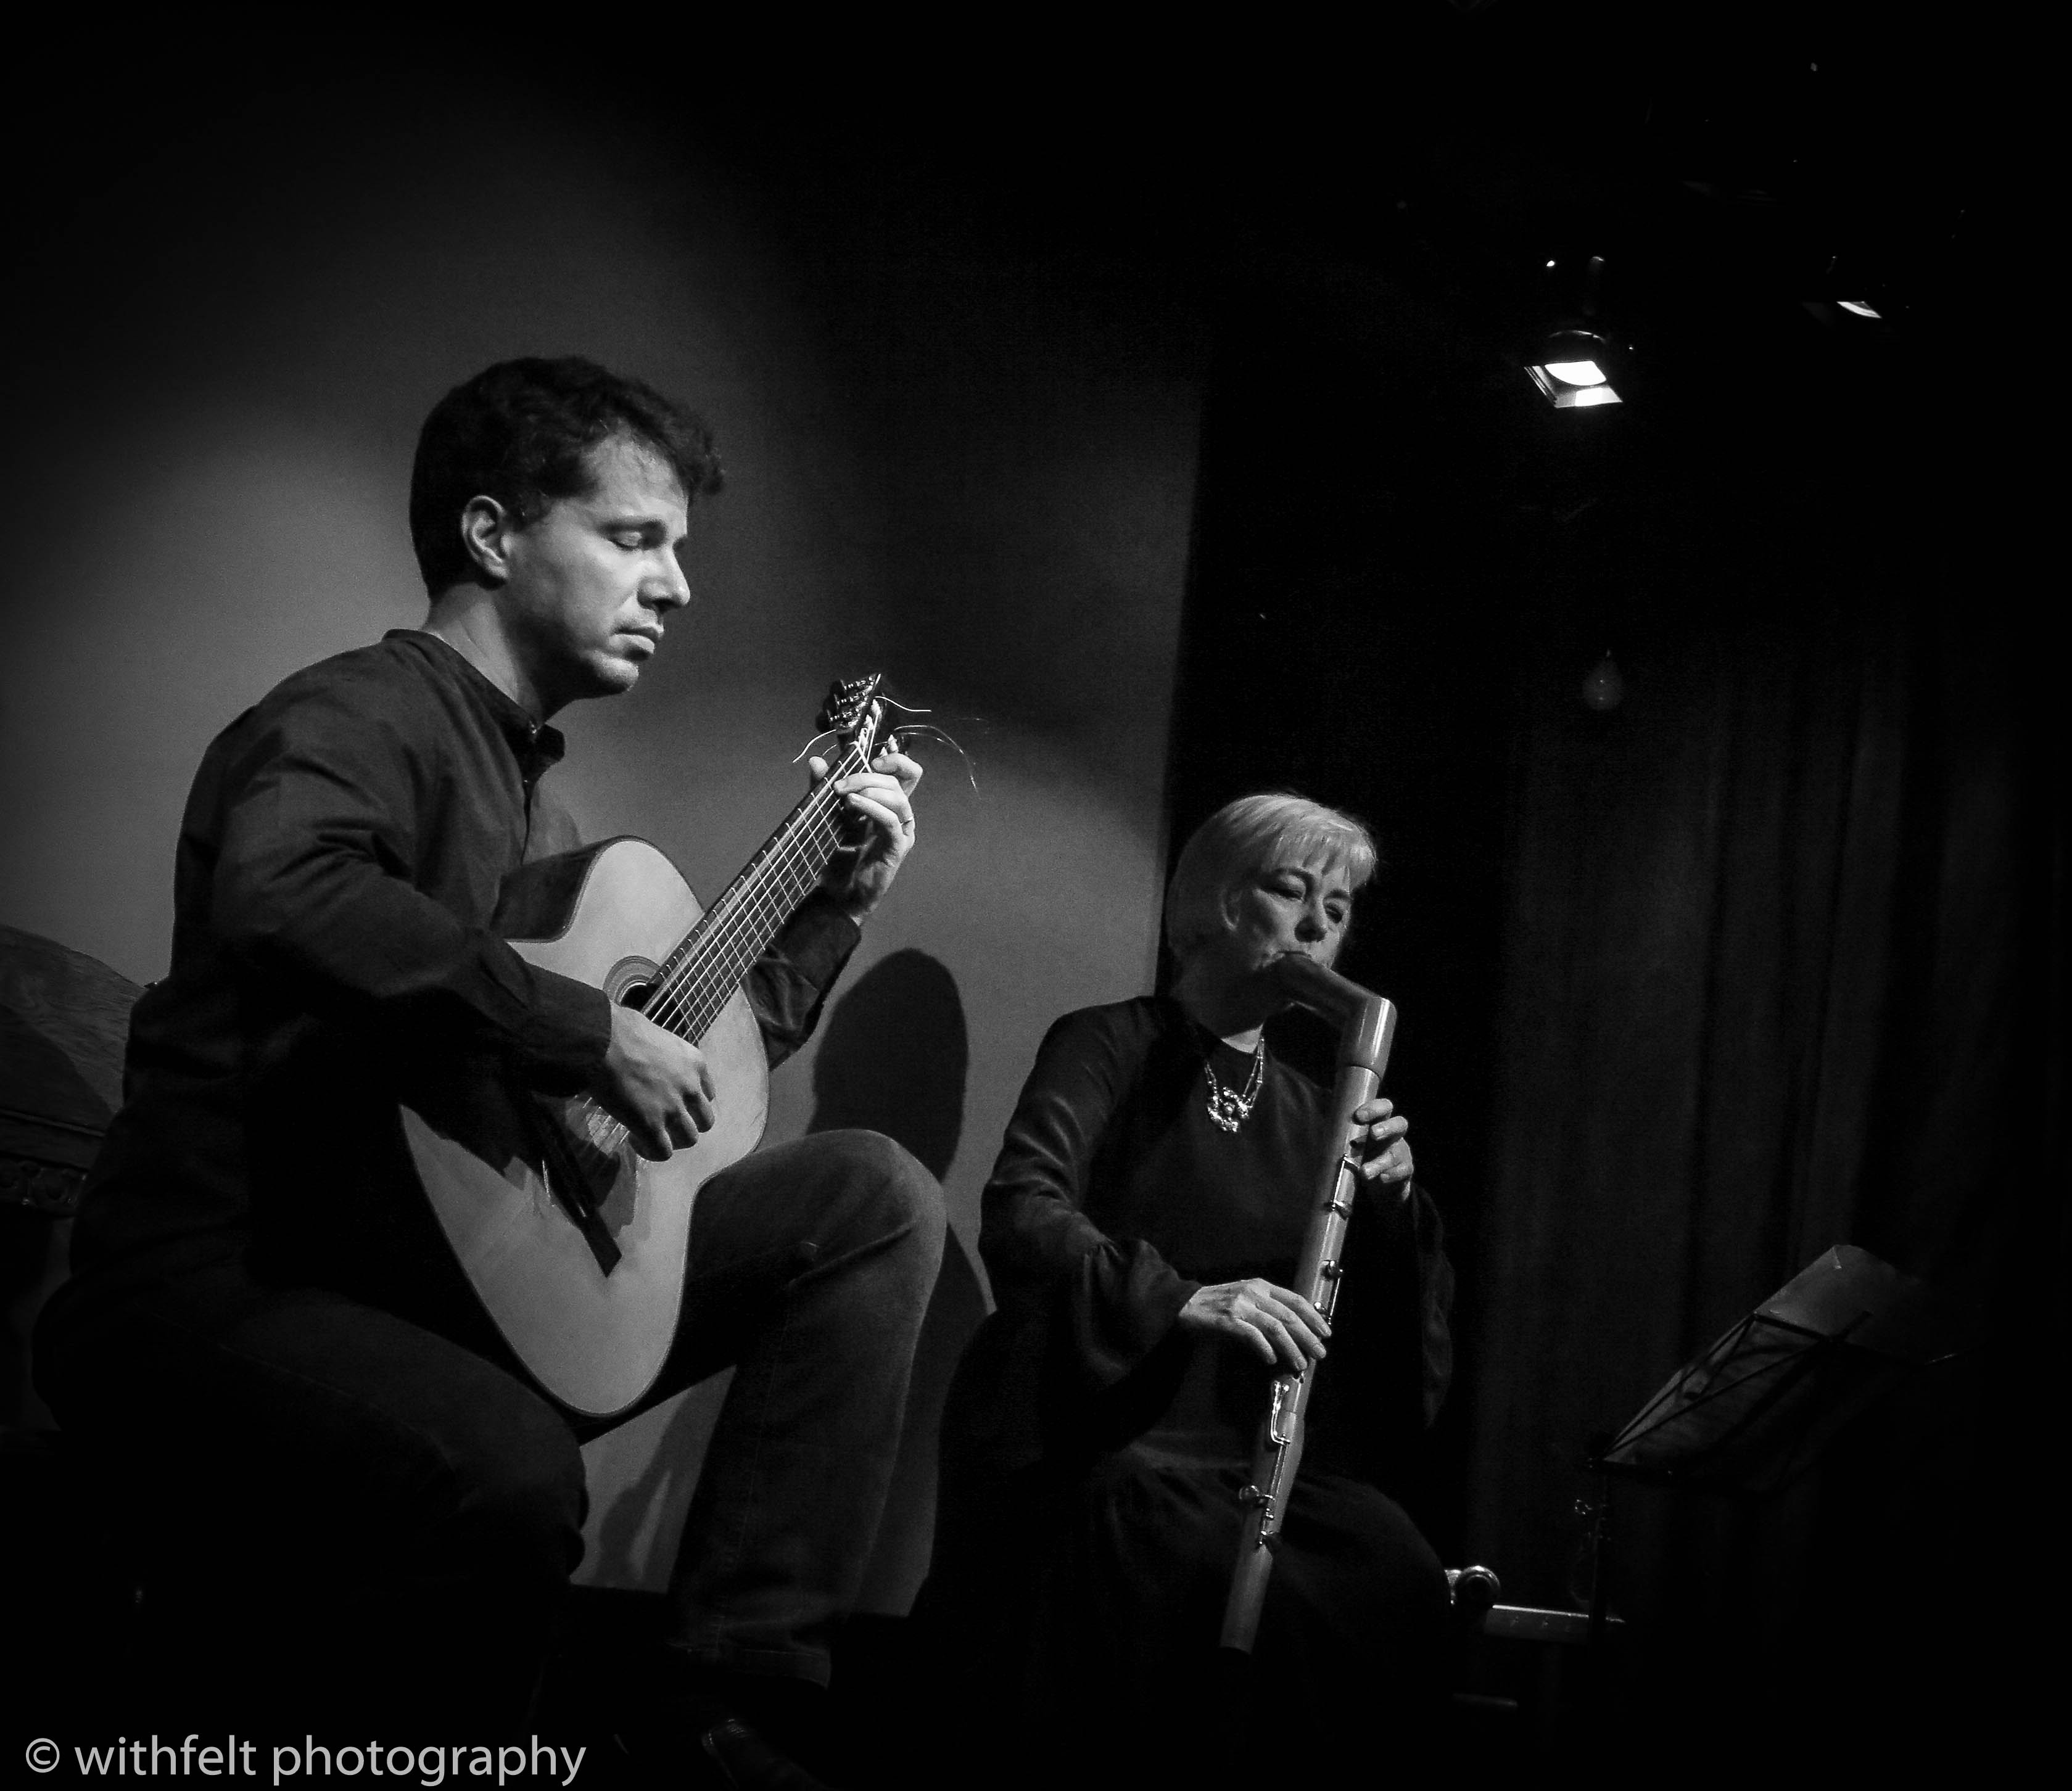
590,582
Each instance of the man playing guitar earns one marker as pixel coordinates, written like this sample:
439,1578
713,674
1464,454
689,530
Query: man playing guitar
357,1501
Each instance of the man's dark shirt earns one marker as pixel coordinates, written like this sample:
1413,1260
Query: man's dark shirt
340,863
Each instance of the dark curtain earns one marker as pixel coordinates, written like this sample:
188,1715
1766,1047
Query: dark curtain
1766,957
1784,951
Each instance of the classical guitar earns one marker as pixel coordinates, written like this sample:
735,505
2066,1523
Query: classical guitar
575,1244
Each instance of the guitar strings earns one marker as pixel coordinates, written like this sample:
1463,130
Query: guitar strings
688,989
763,891
718,936
711,936
750,898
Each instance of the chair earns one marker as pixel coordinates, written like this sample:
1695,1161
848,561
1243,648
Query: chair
64,1022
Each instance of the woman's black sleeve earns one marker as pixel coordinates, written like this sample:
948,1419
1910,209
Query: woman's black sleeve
1104,1303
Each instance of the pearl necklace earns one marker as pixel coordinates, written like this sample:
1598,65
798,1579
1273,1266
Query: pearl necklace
1228,1108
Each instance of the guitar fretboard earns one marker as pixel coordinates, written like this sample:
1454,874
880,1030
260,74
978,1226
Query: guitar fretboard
706,968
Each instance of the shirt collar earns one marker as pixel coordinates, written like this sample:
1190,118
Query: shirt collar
536,745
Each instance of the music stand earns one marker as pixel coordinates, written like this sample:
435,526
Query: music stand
1751,1413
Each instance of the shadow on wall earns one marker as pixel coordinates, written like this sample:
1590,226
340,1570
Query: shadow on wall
893,1060
893,1056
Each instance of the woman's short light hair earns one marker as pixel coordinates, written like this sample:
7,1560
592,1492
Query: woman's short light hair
1238,841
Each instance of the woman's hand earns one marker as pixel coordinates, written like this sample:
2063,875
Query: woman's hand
1384,1152
1282,1329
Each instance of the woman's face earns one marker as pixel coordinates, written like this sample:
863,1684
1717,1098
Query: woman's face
1290,905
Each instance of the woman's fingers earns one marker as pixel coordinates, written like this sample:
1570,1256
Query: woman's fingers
1292,1307
1392,1165
1286,1330
1253,1335
1290,1328
1270,1336
1379,1137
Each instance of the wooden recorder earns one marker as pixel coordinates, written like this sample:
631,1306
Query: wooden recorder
1366,1028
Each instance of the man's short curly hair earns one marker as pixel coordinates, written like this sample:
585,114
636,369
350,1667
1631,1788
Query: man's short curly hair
521,432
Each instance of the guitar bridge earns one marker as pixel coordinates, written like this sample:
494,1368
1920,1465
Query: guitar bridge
564,1173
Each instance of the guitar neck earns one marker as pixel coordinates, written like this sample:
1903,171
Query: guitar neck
707,967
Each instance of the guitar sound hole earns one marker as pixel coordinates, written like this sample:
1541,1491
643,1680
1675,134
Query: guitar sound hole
635,997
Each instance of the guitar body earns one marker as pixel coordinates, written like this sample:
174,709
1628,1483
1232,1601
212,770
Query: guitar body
592,1330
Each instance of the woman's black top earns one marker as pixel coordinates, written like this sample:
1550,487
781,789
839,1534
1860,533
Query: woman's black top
1093,1450
1115,1197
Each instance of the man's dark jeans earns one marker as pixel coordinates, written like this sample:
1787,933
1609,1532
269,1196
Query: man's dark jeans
378,1520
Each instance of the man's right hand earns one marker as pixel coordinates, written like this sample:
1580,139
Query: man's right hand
658,1084
1281,1328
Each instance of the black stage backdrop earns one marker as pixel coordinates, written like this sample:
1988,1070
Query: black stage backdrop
1763,956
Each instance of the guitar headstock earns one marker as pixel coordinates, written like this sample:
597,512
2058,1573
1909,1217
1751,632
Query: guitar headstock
853,712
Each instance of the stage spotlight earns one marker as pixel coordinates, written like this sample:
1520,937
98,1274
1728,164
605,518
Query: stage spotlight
1570,370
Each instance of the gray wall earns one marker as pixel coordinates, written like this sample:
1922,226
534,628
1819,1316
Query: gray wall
968,467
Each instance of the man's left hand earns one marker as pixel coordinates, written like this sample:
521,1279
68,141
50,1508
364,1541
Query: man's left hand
1384,1152
881,801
